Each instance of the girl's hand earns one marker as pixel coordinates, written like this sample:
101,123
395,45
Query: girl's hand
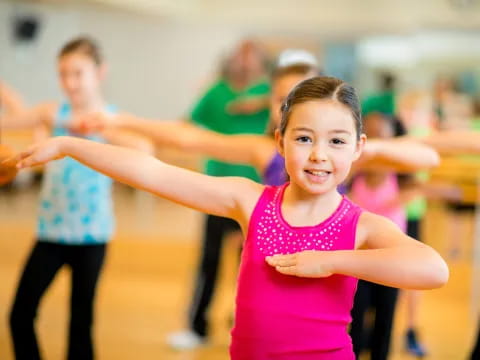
91,123
309,263
38,154
7,171
247,105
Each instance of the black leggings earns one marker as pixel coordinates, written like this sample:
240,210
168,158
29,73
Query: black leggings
44,262
215,230
475,355
382,299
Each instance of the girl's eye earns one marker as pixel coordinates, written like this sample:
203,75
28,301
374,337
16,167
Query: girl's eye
303,139
337,141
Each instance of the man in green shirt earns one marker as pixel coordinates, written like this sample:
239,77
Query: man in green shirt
236,104
384,100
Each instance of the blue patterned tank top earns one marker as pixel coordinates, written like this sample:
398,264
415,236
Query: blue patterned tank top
76,205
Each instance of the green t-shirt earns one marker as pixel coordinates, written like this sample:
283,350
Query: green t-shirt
211,113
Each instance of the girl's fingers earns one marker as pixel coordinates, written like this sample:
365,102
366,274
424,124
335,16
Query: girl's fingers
287,270
27,158
27,162
15,160
281,260
24,158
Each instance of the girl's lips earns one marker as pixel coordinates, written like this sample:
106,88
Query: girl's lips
318,177
318,172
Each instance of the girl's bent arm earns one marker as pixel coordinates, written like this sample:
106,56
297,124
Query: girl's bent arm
391,258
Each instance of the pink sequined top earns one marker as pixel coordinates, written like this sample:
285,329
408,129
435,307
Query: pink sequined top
286,317
381,200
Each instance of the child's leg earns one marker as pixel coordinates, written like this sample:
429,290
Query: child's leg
361,304
476,348
412,298
86,262
385,299
44,262
216,228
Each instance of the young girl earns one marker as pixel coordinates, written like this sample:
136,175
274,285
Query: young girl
75,219
305,243
259,151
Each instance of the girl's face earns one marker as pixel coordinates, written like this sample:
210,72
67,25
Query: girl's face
280,89
80,77
319,145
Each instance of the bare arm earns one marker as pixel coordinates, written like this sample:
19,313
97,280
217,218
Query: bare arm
387,257
454,141
130,140
391,258
229,197
400,155
249,104
255,150
10,101
28,118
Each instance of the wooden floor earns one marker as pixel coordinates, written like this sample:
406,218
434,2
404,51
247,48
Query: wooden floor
148,278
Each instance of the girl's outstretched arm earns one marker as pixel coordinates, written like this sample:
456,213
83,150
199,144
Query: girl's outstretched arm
10,101
255,150
130,140
15,115
454,141
398,154
229,197
388,257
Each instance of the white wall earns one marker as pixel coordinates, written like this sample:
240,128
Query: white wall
157,67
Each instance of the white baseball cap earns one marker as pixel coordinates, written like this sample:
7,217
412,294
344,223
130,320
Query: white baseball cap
296,56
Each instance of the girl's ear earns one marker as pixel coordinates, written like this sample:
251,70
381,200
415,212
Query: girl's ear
279,142
359,147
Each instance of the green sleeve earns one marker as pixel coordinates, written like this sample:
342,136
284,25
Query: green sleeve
201,110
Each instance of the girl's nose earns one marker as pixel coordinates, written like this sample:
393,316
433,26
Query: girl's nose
318,154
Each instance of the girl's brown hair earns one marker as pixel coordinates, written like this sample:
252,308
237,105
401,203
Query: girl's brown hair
83,45
321,88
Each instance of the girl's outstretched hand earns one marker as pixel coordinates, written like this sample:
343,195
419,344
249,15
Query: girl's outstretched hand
309,263
91,123
38,154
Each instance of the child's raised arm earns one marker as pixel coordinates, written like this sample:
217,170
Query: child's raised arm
388,257
229,197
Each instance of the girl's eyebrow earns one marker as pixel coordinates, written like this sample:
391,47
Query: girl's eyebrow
340,131
300,128
335,131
